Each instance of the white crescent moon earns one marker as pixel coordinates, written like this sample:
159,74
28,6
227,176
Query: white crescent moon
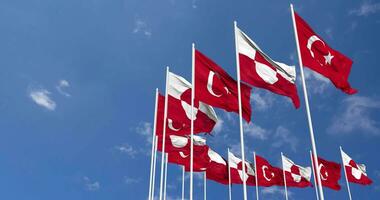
170,124
326,174
209,84
183,155
264,174
310,42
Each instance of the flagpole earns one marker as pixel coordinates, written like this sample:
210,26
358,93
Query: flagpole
229,175
164,133
204,186
166,174
256,177
192,119
345,174
283,172
240,112
154,165
315,181
183,182
153,146
314,148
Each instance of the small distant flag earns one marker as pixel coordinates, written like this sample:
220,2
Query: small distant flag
267,175
296,175
236,170
356,173
330,173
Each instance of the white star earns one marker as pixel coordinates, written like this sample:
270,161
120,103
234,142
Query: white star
328,58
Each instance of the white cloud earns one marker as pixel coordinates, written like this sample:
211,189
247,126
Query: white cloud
194,4
62,84
129,180
270,191
91,185
356,116
283,137
316,83
142,28
145,129
255,131
41,97
127,149
366,8
262,100
329,32
218,126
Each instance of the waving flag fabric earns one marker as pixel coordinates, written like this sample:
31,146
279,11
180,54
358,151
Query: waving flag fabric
217,169
267,175
329,173
296,175
356,173
236,170
320,57
215,87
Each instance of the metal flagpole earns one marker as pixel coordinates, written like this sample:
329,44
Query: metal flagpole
183,182
283,172
154,166
256,177
192,119
345,173
166,174
153,146
240,112
229,175
315,177
164,132
204,186
314,148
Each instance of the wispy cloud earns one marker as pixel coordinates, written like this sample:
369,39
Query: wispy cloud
145,129
262,100
366,8
194,4
141,27
355,115
42,98
316,83
283,137
329,32
271,191
255,131
218,126
127,149
130,180
62,85
91,185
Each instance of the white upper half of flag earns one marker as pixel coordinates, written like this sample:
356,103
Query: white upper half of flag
233,162
182,141
215,157
361,168
288,164
249,48
177,85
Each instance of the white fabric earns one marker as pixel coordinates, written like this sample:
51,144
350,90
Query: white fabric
178,141
305,172
215,157
234,161
356,172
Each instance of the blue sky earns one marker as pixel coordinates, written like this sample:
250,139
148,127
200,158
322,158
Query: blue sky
77,88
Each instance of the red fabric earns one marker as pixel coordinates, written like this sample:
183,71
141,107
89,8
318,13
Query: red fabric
180,122
294,178
339,68
217,171
222,91
267,175
363,180
237,174
249,74
330,173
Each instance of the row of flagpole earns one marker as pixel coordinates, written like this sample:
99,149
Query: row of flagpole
162,191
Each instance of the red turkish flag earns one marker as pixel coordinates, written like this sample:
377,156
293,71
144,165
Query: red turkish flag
258,69
236,170
267,175
356,173
320,57
215,87
296,175
329,173
217,169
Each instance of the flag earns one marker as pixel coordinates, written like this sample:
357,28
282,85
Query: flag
320,57
296,175
356,173
236,170
258,69
179,110
267,175
178,149
215,87
217,169
330,173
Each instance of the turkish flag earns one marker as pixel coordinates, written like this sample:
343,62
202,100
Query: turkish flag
329,173
356,173
267,175
215,87
296,175
320,57
217,169
259,70
236,170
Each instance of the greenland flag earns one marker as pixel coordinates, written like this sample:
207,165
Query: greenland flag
236,170
356,173
259,70
296,175
217,169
